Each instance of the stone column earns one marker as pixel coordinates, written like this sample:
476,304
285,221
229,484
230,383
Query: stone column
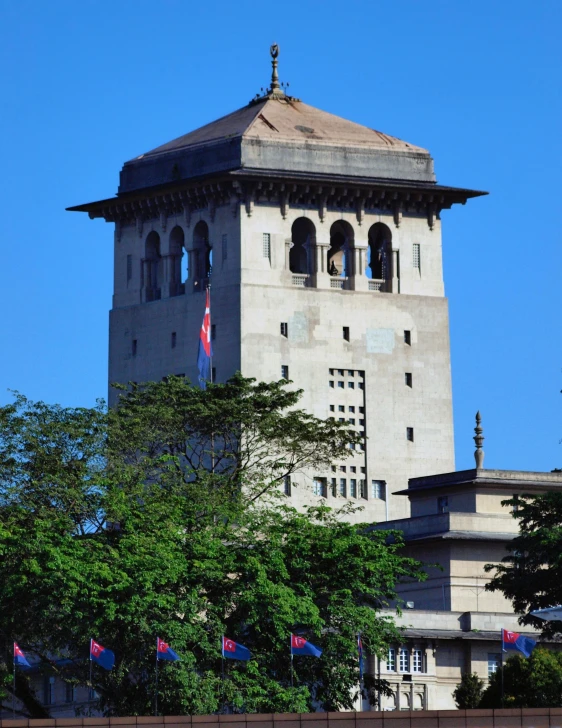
145,278
166,283
322,279
395,287
360,281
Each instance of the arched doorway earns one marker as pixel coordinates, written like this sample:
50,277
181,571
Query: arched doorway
152,267
380,253
303,237
339,254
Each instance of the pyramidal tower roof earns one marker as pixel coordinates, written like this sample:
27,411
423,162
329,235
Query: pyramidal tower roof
277,133
277,139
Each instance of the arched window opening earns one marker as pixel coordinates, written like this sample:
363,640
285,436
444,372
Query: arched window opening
380,252
303,237
339,254
152,268
203,255
176,253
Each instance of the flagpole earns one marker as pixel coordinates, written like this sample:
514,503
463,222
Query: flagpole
291,648
222,672
502,672
156,693
91,690
14,684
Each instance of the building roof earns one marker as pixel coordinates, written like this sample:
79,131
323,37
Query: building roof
496,479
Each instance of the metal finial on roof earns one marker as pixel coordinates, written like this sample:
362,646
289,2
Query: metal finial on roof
274,51
478,439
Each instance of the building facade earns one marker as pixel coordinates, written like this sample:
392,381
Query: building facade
321,241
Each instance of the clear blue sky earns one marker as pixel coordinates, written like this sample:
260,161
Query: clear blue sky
87,85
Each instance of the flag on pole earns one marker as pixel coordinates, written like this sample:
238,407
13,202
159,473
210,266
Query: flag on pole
360,652
233,651
164,651
513,641
300,646
205,349
105,658
19,658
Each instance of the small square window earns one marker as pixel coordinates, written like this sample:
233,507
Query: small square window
333,468
331,384
363,469
343,468
340,372
408,379
362,410
341,408
174,339
408,338
285,332
331,408
352,469
284,371
350,373
319,487
134,347
345,332
410,434
362,423
342,419
340,385
351,409
351,420
331,372
494,663
287,485
361,385
351,385
213,332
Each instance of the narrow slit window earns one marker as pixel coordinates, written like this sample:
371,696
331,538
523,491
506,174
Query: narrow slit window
410,434
345,332
285,330
213,331
266,246
284,371
287,485
214,374
416,256
408,379
224,247
174,339
408,338
134,347
343,487
353,488
129,267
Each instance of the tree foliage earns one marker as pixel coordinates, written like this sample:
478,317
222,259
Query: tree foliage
534,682
531,574
163,517
468,692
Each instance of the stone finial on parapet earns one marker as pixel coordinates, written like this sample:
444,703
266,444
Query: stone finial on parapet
478,439
274,51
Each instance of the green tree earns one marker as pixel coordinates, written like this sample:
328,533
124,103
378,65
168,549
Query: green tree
468,692
534,682
164,518
531,574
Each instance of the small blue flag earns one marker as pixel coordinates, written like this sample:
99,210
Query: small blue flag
164,651
103,657
233,651
300,646
513,641
19,657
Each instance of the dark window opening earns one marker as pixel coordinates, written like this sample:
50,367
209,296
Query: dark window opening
287,485
408,379
284,371
410,434
134,347
408,338
213,332
345,331
285,332
174,339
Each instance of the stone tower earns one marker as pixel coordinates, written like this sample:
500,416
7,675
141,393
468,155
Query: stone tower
321,240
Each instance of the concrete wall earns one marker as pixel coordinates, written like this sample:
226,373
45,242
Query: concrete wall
511,718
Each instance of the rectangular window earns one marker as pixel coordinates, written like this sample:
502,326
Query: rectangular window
284,371
352,420
417,661
363,489
361,385
416,258
340,372
319,487
129,267
494,662
361,423
331,384
408,379
287,485
332,408
351,385
214,374
352,469
351,409
134,347
343,468
408,338
285,331
266,246
378,489
342,419
404,659
341,408
410,434
391,660
331,372
334,487
350,373
70,696
345,332
340,385
49,691
224,248
443,504
362,410
353,488
213,332
174,339
343,487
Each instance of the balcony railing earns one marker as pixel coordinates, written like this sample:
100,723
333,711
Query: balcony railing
300,280
337,282
376,284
